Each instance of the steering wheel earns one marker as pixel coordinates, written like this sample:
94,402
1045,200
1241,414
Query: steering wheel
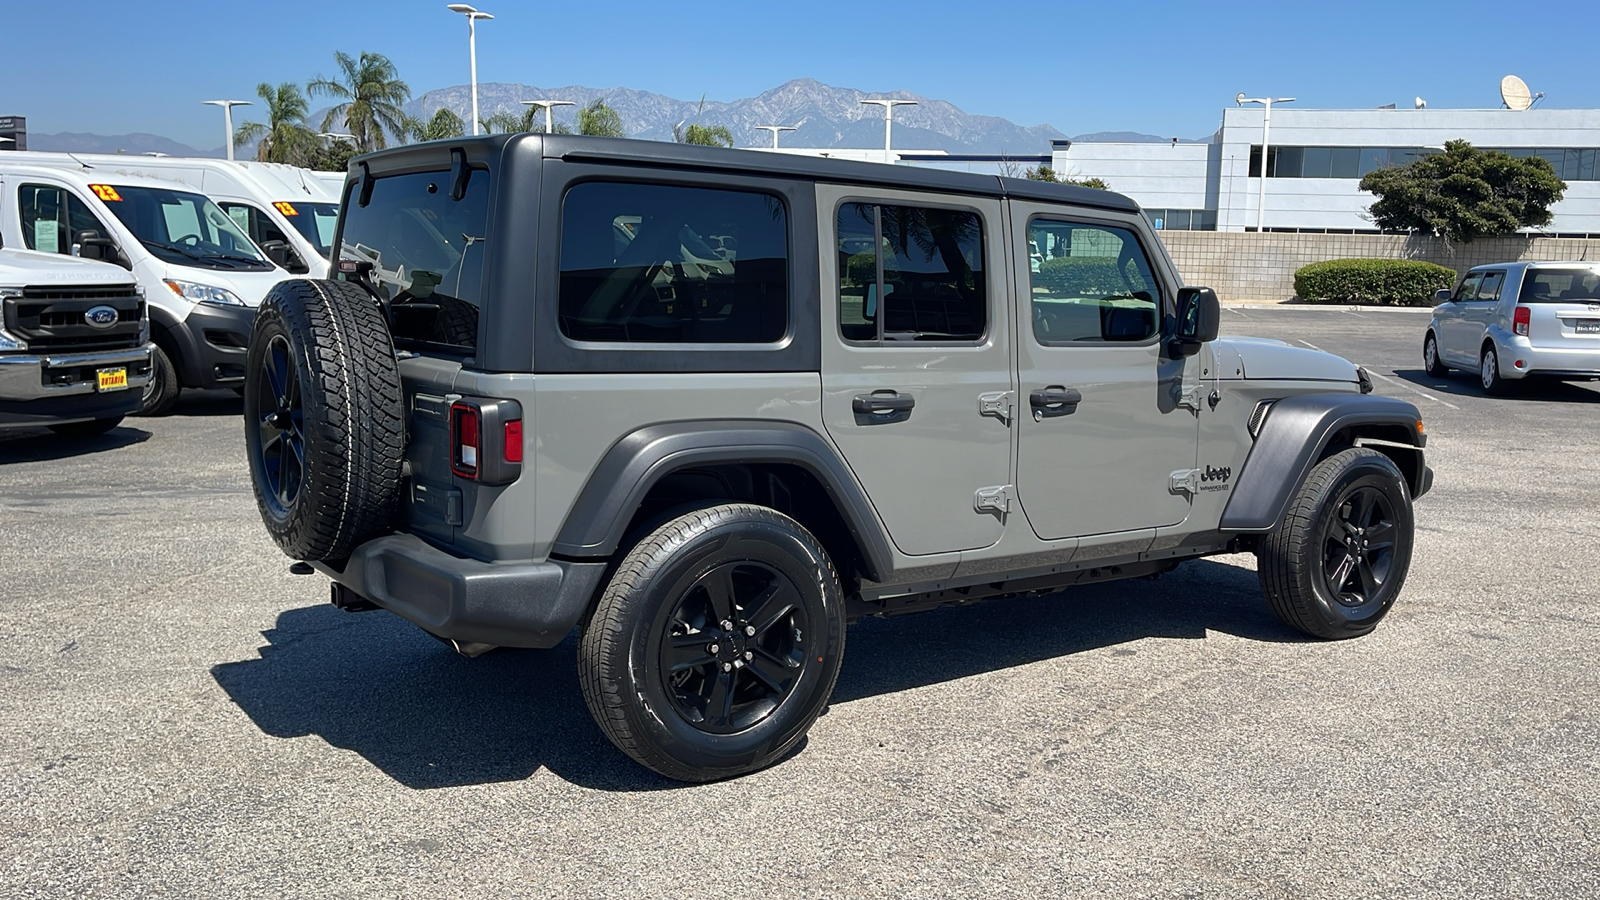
188,240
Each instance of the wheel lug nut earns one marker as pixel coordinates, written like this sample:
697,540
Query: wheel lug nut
727,667
726,625
750,631
749,655
714,649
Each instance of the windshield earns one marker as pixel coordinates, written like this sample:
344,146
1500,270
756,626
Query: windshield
182,228
426,252
1560,286
314,221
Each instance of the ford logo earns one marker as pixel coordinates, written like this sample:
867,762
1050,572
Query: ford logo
101,317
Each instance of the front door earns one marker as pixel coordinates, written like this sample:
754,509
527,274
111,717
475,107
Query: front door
1456,343
915,343
1105,420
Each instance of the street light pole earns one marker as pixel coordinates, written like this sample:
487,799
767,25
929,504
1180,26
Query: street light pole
227,118
775,129
1266,134
472,50
549,120
888,122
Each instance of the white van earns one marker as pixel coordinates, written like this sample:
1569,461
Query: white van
202,276
289,212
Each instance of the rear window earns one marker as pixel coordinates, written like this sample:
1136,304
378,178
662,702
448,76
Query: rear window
426,252
656,263
1560,286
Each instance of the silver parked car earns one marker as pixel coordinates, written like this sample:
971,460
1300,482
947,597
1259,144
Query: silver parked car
1512,321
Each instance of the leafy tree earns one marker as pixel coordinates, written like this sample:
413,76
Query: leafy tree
1045,173
334,156
284,137
601,120
532,121
502,123
1464,193
371,93
704,135
444,124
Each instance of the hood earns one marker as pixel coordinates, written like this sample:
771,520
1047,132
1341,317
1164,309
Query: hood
19,268
1262,358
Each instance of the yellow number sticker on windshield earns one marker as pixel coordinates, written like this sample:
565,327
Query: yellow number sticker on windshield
105,192
286,208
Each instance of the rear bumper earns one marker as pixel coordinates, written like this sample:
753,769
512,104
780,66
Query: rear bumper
1547,362
467,600
52,389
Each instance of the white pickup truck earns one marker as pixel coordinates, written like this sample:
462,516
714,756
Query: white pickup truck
74,343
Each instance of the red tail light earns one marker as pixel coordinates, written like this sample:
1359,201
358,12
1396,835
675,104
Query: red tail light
466,439
513,450
1520,320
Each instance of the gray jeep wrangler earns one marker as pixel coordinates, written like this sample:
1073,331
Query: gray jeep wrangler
708,406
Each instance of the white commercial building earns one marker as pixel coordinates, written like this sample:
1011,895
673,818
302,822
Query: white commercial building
1316,158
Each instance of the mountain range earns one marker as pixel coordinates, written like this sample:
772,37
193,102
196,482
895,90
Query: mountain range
823,116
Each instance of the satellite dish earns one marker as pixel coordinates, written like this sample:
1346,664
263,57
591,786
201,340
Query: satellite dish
1420,103
1514,92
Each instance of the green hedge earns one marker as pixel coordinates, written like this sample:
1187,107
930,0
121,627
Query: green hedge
1086,276
1377,282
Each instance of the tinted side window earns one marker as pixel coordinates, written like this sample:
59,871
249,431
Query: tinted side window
658,263
911,273
1091,283
1490,288
1469,287
52,217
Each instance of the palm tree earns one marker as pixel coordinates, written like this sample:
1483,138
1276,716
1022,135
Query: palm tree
600,120
532,121
284,137
444,124
502,123
704,135
372,93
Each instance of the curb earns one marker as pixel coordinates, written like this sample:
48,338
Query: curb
1325,307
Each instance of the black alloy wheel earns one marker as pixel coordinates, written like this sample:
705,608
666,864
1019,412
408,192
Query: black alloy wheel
280,421
1358,546
735,647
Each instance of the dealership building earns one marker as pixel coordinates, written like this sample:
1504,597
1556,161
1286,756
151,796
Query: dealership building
1316,158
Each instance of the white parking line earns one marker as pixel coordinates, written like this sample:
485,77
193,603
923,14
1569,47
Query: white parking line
1396,381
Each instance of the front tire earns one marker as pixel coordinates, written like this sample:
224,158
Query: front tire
1334,567
1430,357
716,645
162,393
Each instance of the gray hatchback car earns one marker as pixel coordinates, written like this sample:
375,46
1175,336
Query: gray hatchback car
708,406
1513,321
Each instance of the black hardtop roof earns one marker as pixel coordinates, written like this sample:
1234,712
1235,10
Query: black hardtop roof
812,168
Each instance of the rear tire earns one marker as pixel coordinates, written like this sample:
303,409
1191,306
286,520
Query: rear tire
91,428
1430,357
716,645
1489,372
162,393
1335,565
324,418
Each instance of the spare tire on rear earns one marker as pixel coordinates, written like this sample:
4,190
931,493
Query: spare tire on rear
324,418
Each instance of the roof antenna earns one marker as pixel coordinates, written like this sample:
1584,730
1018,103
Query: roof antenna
78,161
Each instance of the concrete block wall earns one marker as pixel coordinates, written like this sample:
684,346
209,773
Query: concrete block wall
1252,266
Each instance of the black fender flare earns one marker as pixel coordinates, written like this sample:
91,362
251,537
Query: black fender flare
1292,439
634,464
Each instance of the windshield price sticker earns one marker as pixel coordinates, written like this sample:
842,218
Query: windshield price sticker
286,208
106,192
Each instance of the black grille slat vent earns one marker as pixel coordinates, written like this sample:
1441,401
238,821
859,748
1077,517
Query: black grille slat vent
51,318
1258,416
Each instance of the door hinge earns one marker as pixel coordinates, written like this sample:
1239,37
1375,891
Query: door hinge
1190,397
997,404
993,499
1185,481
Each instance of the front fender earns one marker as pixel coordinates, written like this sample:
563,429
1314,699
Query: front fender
1293,439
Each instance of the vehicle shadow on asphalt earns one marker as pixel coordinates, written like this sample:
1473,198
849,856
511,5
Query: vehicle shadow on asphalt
1465,384
43,445
209,403
428,718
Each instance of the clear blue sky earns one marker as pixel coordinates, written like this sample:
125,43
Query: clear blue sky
1168,68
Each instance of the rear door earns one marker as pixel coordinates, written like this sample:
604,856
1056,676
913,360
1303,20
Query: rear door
1563,308
1102,429
916,360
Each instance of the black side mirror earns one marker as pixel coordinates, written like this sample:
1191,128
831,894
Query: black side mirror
1199,318
90,244
277,251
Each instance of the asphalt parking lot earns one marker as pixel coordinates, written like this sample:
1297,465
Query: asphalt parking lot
181,716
